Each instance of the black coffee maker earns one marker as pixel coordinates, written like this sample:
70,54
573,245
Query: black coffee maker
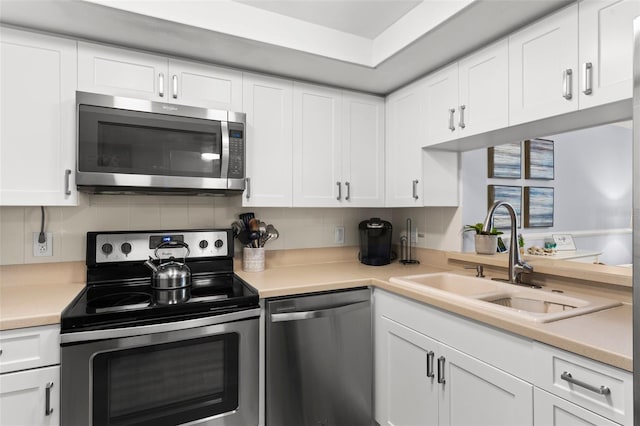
375,242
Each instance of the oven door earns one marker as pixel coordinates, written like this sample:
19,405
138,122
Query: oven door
197,376
129,142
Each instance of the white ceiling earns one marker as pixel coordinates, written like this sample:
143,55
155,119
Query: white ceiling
365,18
413,37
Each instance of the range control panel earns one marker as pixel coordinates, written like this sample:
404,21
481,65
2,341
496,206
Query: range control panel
124,247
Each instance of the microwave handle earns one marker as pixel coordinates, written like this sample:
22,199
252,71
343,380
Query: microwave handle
224,167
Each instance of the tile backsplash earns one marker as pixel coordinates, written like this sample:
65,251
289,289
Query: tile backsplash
298,227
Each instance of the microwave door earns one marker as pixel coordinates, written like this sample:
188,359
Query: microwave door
141,149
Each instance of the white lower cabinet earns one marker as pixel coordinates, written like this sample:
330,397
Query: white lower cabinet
31,397
549,410
30,379
428,383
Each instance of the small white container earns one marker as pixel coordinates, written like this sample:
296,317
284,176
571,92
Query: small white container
486,244
253,259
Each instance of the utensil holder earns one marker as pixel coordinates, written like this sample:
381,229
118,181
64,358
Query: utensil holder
253,259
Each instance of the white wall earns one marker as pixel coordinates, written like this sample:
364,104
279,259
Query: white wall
299,228
593,179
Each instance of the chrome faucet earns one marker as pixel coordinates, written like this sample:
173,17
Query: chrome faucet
516,266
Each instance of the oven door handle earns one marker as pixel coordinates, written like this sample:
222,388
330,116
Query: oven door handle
320,313
116,333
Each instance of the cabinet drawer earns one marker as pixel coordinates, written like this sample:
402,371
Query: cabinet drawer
32,347
598,387
30,397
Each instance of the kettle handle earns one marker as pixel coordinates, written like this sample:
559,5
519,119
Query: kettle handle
173,244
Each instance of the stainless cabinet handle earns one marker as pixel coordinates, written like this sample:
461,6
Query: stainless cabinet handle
175,86
47,395
587,78
430,356
602,390
161,85
247,193
451,126
461,124
67,188
441,361
348,185
567,82
339,191
415,189
321,313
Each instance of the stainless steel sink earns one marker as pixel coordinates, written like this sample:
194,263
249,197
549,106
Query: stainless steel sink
537,305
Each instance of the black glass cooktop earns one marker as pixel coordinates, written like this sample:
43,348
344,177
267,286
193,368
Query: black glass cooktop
134,302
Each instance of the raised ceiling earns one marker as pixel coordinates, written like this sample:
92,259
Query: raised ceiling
305,41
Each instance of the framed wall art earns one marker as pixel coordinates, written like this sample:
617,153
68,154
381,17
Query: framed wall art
538,159
538,207
504,161
510,194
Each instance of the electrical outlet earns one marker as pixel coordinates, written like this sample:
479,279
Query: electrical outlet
43,249
339,235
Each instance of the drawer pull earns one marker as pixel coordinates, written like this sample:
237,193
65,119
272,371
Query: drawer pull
47,409
602,390
430,356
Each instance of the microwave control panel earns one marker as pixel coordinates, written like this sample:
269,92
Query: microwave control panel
236,151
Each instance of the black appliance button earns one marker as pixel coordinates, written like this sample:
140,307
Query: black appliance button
218,243
203,244
107,248
126,248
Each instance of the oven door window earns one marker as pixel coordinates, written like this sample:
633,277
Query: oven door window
166,384
131,142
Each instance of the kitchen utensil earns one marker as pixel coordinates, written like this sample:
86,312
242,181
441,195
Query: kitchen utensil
243,237
246,217
170,275
254,236
237,226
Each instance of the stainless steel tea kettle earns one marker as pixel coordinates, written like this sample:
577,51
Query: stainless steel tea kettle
170,275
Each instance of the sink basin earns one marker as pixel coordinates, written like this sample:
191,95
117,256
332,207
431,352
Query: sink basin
537,305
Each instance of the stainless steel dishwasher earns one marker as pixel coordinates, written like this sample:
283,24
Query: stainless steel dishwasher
319,360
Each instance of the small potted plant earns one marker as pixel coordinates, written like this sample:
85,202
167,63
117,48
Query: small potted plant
486,242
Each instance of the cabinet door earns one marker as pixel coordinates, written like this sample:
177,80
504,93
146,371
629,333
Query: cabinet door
23,397
37,142
543,74
363,150
204,86
405,394
475,393
442,114
122,72
484,90
317,179
404,138
549,410
606,50
268,103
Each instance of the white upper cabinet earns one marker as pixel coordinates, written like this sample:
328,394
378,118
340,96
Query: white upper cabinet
405,131
606,50
317,147
440,98
37,142
122,72
205,85
129,73
268,103
484,90
543,68
363,150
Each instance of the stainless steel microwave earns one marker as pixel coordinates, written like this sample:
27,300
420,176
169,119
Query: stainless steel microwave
138,146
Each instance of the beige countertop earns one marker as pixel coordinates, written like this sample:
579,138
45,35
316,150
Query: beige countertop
26,299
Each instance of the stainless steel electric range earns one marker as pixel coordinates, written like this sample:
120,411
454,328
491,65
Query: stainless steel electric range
137,354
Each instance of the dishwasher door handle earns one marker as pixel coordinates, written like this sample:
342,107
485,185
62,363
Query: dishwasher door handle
320,313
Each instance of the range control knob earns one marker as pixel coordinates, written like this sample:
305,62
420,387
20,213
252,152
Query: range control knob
126,248
218,243
107,248
203,244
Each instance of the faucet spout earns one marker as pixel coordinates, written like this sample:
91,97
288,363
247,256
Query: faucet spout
516,266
